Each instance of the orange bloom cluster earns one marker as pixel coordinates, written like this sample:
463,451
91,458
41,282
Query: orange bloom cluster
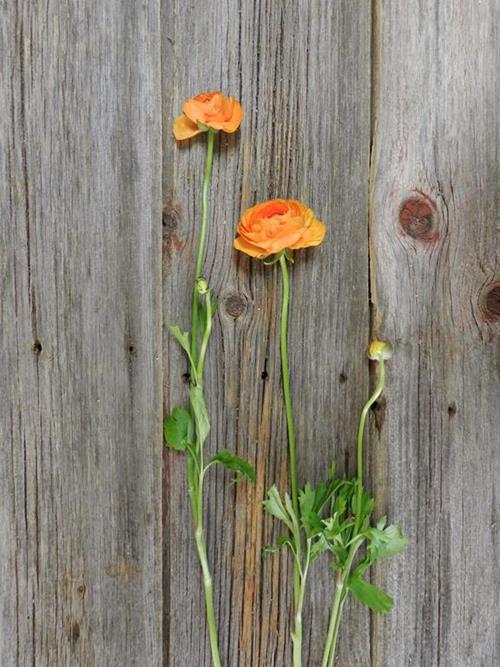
277,225
212,111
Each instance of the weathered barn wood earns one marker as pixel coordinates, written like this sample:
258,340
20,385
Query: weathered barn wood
435,188
302,72
383,117
80,413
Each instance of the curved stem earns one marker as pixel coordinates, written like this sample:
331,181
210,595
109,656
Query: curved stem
361,429
202,242
341,593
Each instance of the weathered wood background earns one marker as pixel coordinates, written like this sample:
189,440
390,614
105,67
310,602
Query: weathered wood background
384,117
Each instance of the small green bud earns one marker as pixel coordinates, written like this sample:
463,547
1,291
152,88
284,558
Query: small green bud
379,350
201,285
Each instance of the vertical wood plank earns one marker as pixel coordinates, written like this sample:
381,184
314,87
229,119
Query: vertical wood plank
435,266
80,325
302,72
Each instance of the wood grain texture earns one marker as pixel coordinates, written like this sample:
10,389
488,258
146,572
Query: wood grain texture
302,72
435,264
80,324
84,91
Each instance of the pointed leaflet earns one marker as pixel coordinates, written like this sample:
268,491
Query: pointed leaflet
200,412
384,543
183,339
178,429
274,505
310,520
374,598
232,462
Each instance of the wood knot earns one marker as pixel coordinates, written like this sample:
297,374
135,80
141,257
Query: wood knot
490,303
235,305
171,217
452,409
417,219
73,632
37,347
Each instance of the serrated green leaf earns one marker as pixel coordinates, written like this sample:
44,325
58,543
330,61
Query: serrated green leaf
319,545
291,512
373,597
312,524
181,336
178,429
233,462
307,496
385,543
367,505
309,518
200,412
274,506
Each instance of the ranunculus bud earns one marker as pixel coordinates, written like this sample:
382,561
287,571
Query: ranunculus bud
379,350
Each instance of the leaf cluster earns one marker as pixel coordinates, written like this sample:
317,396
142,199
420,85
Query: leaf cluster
186,431
330,523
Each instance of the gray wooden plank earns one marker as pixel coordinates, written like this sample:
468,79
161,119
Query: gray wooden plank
435,266
302,72
80,323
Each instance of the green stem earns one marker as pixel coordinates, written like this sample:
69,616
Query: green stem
337,607
361,430
299,602
209,600
286,384
341,593
334,616
202,242
297,575
336,633
206,337
196,471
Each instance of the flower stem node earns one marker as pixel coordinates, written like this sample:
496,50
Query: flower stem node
380,350
201,286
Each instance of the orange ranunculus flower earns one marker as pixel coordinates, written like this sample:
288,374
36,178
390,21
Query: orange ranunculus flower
277,225
210,110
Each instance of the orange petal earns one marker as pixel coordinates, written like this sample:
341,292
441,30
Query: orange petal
248,248
313,235
185,128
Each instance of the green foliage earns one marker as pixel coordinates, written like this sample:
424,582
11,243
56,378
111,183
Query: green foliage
274,506
233,462
200,412
202,313
178,429
331,523
181,336
375,598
